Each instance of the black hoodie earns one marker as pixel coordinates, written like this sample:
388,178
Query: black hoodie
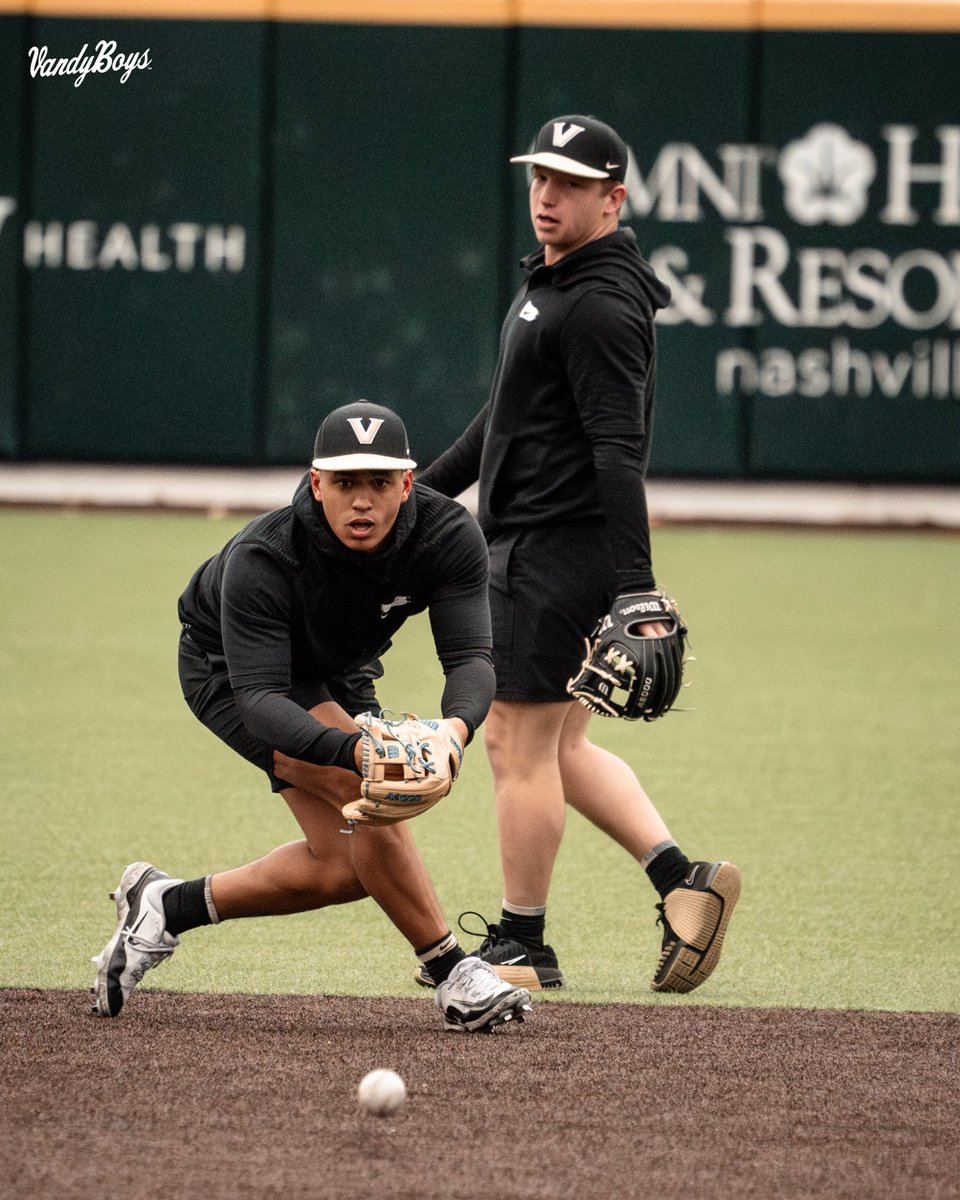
566,433
289,606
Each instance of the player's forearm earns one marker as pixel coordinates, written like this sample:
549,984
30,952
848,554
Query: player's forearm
459,466
279,723
623,497
468,692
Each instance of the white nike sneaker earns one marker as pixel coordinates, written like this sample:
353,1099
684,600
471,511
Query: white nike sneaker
474,997
140,941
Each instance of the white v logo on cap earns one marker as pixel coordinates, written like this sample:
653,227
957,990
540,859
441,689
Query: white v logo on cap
561,136
365,436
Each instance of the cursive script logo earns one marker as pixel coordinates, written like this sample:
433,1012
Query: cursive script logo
643,606
106,59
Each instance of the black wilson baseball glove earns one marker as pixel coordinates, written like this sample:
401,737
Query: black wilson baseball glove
408,765
625,674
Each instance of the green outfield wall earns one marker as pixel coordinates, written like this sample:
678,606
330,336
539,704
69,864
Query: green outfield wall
218,222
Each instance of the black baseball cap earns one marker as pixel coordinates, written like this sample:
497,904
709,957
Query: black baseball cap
581,146
362,437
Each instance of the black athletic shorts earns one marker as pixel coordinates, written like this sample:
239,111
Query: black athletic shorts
549,586
206,688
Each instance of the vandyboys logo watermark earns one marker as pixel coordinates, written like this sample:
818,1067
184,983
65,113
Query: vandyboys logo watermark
106,59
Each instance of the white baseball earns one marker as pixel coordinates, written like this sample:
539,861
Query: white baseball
381,1092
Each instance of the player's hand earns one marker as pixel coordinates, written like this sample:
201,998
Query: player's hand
633,666
459,728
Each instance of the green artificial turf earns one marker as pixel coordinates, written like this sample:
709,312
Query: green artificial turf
821,754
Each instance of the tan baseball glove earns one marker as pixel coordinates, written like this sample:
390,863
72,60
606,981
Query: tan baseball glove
408,765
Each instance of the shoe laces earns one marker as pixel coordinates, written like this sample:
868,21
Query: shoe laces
476,979
490,938
669,937
152,952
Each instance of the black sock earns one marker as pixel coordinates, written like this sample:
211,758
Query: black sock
440,957
668,868
185,906
525,927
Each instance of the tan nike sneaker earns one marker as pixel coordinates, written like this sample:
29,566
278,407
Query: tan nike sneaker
694,916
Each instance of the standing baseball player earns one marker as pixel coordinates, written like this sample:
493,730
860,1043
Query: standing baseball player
281,633
560,452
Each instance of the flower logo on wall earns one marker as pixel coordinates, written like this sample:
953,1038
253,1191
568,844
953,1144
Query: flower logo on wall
826,176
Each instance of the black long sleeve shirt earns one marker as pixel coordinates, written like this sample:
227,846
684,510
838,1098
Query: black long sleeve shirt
566,432
288,606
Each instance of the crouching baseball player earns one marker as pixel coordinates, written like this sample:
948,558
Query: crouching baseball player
281,633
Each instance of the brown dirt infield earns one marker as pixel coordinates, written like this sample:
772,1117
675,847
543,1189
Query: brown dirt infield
252,1096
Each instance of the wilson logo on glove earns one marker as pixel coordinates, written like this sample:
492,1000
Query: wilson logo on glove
626,674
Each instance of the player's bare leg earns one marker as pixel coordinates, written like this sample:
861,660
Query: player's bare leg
298,877
697,898
522,746
521,740
387,864
541,759
383,861
329,866
605,790
326,867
